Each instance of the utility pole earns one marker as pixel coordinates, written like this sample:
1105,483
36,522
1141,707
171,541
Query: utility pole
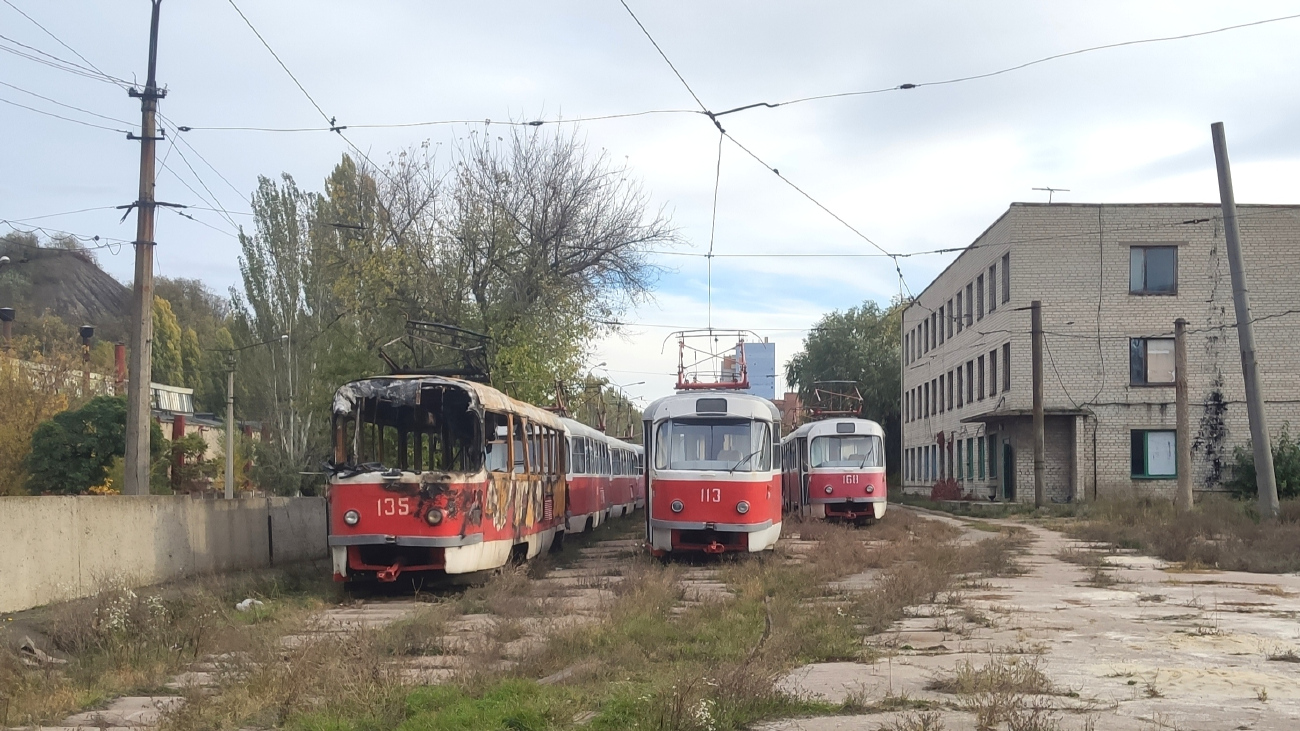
1182,419
136,477
1036,333
1265,478
230,426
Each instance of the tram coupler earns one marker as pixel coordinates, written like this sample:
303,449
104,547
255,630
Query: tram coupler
850,515
714,547
389,574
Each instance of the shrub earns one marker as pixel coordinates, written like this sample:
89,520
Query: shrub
1286,465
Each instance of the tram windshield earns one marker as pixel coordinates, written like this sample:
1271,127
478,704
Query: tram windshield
848,450
738,445
382,424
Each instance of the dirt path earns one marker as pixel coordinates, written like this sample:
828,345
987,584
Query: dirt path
1155,649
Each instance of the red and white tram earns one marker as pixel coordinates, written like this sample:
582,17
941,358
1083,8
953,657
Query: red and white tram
713,481
440,474
835,468
626,477
588,476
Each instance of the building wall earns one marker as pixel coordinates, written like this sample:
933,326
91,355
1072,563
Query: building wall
61,548
1075,260
760,364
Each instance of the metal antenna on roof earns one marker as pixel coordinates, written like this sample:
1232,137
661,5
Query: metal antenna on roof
1050,191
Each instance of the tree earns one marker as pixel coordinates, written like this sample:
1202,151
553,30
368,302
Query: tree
168,364
191,359
1286,467
859,344
73,451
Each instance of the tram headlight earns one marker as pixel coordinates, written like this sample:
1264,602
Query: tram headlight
871,489
352,517
433,517
742,507
677,506
829,489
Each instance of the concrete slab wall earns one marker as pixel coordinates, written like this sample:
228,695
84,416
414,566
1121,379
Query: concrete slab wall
58,548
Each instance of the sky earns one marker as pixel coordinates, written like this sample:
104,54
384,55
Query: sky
912,170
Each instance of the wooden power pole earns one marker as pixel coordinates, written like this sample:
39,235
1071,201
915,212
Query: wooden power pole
1036,333
1265,478
1182,419
138,411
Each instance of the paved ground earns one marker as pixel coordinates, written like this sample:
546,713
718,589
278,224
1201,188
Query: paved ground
1159,650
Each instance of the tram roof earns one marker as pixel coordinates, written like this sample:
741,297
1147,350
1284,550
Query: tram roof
735,404
832,426
405,387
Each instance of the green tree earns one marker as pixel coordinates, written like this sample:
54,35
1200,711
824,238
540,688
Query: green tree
168,365
191,359
859,344
73,451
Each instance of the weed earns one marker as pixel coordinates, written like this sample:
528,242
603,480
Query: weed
1262,694
916,721
1019,675
1287,655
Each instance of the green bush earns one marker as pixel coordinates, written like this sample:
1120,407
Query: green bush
1286,466
73,451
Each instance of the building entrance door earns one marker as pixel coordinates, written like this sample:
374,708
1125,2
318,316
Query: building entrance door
1008,472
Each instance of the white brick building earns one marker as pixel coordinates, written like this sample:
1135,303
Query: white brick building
1112,279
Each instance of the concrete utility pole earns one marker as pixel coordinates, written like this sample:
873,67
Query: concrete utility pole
1036,333
136,477
230,426
1265,478
1182,419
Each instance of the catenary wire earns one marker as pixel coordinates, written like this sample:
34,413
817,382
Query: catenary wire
66,106
276,56
120,82
65,119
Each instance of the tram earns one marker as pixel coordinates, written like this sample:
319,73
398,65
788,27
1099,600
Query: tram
626,479
713,477
440,474
835,469
588,477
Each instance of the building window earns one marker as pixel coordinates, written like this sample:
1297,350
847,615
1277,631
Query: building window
1153,270
981,444
957,314
1153,454
925,336
970,381
950,389
959,391
970,306
934,396
993,372
979,297
993,287
993,457
941,325
981,376
970,459
925,400
958,475
1006,277
939,394
934,329
1150,361
907,348
950,318
1006,367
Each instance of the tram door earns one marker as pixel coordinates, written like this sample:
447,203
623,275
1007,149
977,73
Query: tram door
1008,472
805,504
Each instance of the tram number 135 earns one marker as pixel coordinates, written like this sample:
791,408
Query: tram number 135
394,506
711,495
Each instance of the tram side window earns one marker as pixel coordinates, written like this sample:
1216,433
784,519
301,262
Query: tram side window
498,454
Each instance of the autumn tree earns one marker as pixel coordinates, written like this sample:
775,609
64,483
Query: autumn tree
859,344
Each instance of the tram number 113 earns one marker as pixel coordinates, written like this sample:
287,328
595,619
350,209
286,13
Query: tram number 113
711,495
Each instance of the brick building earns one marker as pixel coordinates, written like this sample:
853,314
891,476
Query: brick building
1112,279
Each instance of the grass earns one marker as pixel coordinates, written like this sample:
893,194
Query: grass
1005,690
1218,533
125,641
985,508
644,660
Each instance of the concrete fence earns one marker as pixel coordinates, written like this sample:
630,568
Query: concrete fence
58,548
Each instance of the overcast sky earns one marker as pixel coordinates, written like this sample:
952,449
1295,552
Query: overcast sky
914,170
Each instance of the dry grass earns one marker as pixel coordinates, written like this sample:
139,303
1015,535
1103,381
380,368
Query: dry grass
916,721
1219,533
1005,690
125,641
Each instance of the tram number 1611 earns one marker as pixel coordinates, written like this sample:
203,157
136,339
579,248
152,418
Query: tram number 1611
711,495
